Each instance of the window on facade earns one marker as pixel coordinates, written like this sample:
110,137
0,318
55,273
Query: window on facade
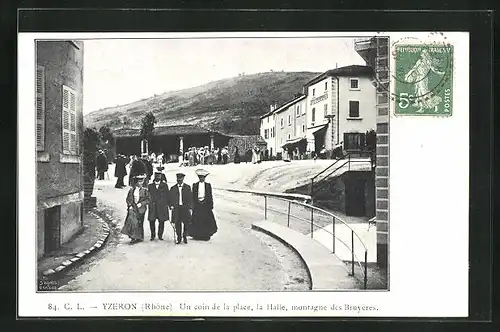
354,141
297,111
282,122
268,119
40,108
289,136
313,115
69,125
353,109
354,83
303,128
266,133
314,92
326,85
326,109
289,119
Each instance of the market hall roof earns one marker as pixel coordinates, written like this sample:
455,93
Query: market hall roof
348,71
164,130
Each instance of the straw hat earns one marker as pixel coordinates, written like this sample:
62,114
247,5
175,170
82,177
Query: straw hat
201,172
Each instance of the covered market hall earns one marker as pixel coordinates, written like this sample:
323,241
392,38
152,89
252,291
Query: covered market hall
169,140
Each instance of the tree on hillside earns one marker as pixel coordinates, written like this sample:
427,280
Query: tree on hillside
126,120
147,127
107,141
107,135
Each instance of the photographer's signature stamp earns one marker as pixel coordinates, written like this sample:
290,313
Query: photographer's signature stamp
47,285
424,79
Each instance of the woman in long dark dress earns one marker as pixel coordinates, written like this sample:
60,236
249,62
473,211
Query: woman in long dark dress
203,224
236,155
137,202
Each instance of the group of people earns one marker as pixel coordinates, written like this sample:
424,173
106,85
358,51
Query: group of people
191,208
204,156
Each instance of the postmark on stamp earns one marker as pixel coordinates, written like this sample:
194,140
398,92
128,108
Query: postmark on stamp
423,79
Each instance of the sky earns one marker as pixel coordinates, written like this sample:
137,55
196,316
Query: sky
121,71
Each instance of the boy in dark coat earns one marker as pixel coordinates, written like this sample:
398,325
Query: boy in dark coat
158,205
120,170
149,167
102,165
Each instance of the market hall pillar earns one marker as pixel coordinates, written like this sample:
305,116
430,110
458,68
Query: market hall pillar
211,142
181,145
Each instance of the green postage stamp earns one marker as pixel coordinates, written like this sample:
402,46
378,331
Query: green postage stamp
423,79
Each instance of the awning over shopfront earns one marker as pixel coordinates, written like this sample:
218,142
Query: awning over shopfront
293,142
314,130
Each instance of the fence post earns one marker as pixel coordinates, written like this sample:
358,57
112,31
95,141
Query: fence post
311,192
352,252
366,267
289,205
312,218
265,207
333,232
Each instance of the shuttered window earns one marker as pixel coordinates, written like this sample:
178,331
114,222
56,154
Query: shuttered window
40,108
69,125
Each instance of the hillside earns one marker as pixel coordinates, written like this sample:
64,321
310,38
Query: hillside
231,105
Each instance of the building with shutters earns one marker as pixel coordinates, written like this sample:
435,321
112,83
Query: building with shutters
59,131
290,129
340,108
268,130
375,52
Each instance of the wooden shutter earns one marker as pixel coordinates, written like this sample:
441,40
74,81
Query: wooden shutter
40,108
72,121
69,125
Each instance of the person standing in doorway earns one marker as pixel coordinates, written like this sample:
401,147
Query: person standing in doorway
158,205
181,205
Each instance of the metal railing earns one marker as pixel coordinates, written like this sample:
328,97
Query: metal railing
323,218
345,160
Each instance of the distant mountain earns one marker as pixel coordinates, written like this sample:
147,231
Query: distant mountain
231,105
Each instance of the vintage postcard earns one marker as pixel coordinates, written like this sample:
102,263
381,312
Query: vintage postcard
243,174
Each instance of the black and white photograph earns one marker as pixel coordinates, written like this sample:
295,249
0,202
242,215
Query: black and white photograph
212,164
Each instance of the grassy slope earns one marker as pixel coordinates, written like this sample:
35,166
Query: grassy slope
231,105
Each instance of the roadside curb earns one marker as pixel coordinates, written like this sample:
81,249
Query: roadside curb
326,271
301,197
82,255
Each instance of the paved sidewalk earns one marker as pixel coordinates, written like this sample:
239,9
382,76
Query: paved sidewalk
91,237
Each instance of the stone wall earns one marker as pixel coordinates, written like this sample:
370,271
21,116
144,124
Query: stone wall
244,144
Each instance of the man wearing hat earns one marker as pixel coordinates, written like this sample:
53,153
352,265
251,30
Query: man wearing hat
102,165
181,205
158,205
120,170
203,224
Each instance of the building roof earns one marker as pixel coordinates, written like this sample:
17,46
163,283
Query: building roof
349,71
162,130
284,106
